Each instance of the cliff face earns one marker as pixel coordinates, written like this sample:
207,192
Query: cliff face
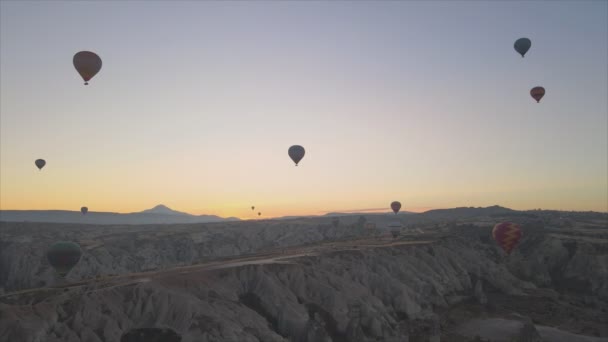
420,287
565,263
369,294
340,296
568,260
126,249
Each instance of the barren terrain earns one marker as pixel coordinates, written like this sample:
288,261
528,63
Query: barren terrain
442,279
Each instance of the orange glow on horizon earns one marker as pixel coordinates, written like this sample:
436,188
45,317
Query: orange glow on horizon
247,214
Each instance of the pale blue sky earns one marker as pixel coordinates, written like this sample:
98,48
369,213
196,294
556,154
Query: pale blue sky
198,102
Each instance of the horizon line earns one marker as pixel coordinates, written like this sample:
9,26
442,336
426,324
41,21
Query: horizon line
414,210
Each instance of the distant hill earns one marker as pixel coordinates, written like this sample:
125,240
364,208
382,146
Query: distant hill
466,212
157,215
164,210
341,214
372,213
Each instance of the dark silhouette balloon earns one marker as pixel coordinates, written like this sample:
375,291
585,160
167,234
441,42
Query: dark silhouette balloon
252,207
63,256
396,206
40,163
84,210
87,64
335,222
296,153
151,335
522,45
537,93
259,214
507,234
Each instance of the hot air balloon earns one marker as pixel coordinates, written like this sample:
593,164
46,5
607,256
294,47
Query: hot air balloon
537,93
507,234
151,335
296,153
252,207
259,214
40,163
522,45
84,210
87,64
63,256
396,206
335,222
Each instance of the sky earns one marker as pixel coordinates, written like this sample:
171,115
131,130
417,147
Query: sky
197,104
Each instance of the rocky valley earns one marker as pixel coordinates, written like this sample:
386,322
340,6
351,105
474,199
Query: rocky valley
442,279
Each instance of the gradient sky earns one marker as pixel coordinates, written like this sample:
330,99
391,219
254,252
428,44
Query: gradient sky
198,102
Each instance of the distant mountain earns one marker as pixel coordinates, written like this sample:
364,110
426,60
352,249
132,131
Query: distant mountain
164,210
157,215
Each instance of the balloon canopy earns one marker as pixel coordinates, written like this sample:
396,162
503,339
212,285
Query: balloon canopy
537,93
84,210
522,45
396,206
507,234
40,163
63,256
296,153
87,64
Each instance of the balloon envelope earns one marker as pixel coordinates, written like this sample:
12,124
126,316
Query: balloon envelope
63,256
296,153
87,64
84,210
537,93
40,163
396,206
507,234
259,214
151,335
252,208
522,45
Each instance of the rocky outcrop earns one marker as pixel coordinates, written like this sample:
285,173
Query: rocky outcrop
111,250
520,329
563,262
382,294
377,294
391,293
